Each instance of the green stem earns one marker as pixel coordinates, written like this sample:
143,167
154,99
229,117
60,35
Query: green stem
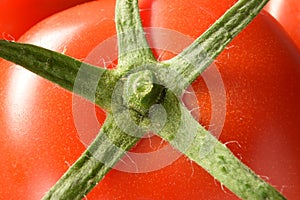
108,147
63,70
192,61
199,145
133,46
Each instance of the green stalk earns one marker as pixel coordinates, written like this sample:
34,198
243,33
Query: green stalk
193,60
133,46
63,70
193,140
109,146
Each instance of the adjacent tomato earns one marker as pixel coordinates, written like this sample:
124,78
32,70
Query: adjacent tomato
260,72
16,17
287,13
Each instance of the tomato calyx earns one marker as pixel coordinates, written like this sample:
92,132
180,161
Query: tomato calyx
158,84
133,48
67,72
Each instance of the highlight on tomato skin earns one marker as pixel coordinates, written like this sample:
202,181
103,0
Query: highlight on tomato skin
287,13
16,17
260,71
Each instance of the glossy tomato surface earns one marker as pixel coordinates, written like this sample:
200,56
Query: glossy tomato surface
287,13
260,73
16,17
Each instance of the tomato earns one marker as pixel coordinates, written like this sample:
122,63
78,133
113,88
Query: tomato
260,72
288,15
16,17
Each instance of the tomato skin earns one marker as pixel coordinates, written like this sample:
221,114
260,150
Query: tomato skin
287,13
260,70
16,17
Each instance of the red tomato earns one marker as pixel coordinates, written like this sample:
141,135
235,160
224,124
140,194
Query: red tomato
16,17
287,13
260,71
